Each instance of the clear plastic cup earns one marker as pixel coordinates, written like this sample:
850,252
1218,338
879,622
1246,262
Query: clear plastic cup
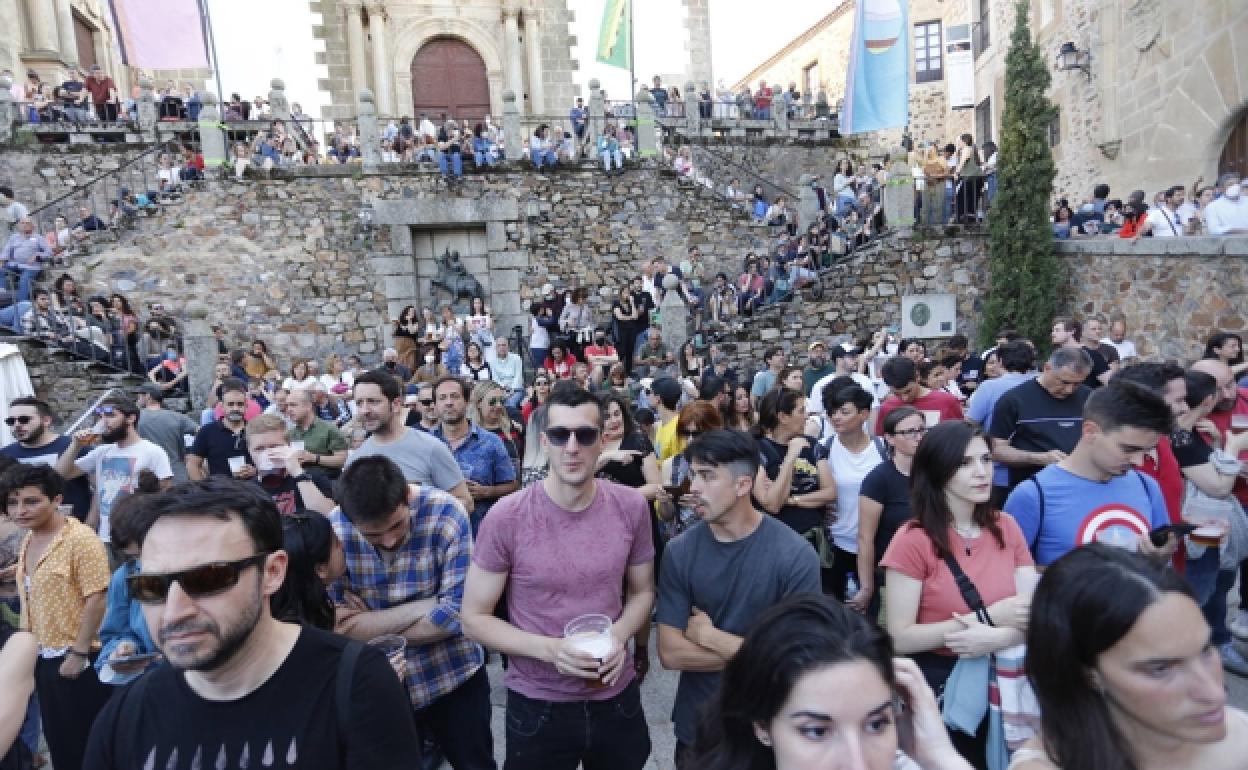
591,634
297,446
237,463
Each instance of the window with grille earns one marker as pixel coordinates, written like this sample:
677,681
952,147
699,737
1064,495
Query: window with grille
928,61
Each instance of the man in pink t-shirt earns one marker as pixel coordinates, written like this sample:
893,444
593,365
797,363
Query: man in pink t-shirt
902,376
561,549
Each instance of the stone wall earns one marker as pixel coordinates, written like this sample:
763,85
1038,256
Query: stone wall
778,167
68,385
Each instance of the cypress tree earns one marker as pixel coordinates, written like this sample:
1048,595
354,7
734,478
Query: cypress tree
1023,268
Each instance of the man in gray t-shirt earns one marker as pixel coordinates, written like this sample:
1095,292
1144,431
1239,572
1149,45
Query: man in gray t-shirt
422,458
719,576
167,430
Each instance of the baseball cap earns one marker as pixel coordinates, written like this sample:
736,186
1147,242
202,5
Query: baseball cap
151,390
667,389
844,349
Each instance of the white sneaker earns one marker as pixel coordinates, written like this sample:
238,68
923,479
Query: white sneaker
1239,626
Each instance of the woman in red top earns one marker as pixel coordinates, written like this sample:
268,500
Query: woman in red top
950,487
1132,217
560,361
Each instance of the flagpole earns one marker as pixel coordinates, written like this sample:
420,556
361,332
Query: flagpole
205,19
632,76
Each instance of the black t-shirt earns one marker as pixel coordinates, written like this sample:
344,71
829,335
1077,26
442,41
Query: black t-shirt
285,491
77,491
1190,448
891,489
644,303
630,474
1032,420
1099,367
805,481
289,721
217,444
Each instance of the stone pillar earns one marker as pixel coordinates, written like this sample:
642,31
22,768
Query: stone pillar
647,135
381,57
533,51
370,136
211,137
8,110
355,45
65,32
807,202
513,68
279,107
698,40
513,134
897,196
673,315
597,112
780,116
147,105
693,119
199,345
43,27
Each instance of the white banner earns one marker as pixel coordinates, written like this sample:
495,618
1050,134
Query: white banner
959,71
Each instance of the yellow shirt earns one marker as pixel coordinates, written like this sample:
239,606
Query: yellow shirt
74,567
669,441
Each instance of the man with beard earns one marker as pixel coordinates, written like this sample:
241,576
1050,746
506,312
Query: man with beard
479,453
30,421
422,458
114,465
242,689
62,572
220,441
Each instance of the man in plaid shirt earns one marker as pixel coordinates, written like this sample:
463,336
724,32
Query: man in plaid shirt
407,553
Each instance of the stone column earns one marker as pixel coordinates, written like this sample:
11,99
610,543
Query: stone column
673,314
381,57
43,26
513,134
533,49
65,30
199,345
370,137
897,196
647,135
355,45
807,202
698,40
8,110
279,107
147,105
597,112
211,137
693,119
513,69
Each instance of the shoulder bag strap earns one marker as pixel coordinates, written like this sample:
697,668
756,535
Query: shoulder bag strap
1039,524
342,690
970,594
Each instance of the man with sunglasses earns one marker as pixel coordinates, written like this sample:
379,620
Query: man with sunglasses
422,458
488,469
407,550
62,575
30,421
241,688
565,707
113,466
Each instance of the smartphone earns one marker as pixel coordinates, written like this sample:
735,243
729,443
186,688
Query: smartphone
143,657
1159,535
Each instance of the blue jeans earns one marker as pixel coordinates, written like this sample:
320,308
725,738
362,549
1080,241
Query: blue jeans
24,279
992,187
603,735
456,162
12,315
542,157
608,157
482,159
797,274
1210,583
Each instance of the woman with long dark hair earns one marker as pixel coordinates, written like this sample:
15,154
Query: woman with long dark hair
739,413
955,525
1228,348
314,559
1121,663
407,334
815,686
794,483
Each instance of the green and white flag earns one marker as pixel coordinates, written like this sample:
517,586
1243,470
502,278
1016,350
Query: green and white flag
615,37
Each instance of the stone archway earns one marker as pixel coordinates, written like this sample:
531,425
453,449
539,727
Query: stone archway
1235,151
448,75
412,34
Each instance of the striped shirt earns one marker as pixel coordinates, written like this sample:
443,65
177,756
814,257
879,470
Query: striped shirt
431,564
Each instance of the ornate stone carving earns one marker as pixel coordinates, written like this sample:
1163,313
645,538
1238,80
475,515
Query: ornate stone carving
1143,22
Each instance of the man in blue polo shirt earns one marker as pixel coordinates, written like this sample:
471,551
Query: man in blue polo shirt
1095,494
482,458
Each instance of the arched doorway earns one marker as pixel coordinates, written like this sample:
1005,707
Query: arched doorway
1235,151
448,75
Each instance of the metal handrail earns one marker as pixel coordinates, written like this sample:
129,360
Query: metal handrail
79,189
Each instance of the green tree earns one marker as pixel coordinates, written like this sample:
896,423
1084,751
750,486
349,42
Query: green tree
1023,268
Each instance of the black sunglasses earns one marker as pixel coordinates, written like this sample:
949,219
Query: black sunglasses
559,435
23,420
196,582
692,433
425,401
105,411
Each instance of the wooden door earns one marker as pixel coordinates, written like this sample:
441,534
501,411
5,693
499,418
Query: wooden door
448,75
1235,151
84,36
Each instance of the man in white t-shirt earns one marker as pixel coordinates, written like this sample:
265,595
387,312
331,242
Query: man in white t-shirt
1164,221
115,464
1228,214
845,357
1118,340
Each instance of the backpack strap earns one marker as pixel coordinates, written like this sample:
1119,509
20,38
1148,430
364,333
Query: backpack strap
342,689
1039,524
881,446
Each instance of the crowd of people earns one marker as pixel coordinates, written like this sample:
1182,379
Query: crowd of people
316,569
1218,209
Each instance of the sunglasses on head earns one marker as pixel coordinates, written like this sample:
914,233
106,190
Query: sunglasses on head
196,582
559,435
105,411
23,420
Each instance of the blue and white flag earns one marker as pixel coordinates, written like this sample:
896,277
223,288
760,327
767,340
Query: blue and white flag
877,94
